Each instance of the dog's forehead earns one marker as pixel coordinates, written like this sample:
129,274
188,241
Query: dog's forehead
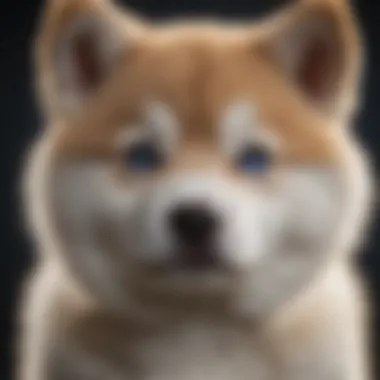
205,84
197,79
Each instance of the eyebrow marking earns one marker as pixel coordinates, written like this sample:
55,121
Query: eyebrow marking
240,125
161,120
239,116
158,122
238,121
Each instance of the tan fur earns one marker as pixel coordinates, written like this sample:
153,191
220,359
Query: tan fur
198,68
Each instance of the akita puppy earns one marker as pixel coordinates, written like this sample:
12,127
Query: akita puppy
196,198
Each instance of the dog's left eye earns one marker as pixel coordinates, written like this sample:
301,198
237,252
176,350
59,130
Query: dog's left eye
254,159
144,156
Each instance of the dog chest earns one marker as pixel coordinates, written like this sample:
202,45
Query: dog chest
202,351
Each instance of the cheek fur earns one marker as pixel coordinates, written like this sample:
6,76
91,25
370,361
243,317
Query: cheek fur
88,210
313,200
86,198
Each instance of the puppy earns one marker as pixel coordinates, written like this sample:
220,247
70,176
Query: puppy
196,198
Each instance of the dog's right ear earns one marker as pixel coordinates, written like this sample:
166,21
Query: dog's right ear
79,45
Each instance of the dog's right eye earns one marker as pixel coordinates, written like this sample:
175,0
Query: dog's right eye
143,157
254,160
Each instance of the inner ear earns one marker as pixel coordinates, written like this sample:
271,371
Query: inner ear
317,72
87,61
315,44
89,51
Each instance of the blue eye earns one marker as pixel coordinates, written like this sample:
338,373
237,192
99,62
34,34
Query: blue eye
143,157
254,160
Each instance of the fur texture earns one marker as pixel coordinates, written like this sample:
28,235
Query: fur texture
109,299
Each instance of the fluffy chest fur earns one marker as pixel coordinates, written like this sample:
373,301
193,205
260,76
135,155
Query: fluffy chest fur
317,338
203,350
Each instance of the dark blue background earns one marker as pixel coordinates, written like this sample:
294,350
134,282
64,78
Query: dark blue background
19,122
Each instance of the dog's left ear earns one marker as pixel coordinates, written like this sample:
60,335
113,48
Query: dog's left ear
317,46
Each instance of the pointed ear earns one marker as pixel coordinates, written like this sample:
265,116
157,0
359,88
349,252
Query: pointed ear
79,45
317,46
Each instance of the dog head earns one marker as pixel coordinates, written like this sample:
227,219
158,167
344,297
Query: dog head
198,157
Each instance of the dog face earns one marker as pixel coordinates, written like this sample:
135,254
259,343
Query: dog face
198,156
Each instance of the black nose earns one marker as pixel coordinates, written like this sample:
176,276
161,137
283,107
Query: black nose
193,225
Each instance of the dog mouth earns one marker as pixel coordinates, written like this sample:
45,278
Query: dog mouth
191,261
187,272
198,259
